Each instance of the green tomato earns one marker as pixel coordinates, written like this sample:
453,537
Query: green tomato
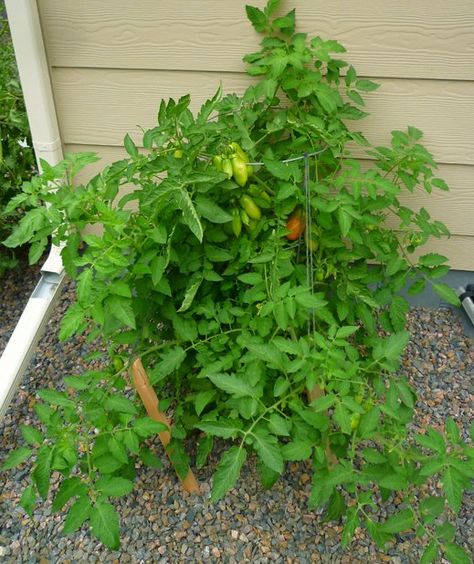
319,275
236,149
368,405
253,211
117,363
239,170
227,167
217,162
245,217
265,196
355,420
311,243
236,223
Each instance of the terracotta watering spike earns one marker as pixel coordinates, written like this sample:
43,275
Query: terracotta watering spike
152,406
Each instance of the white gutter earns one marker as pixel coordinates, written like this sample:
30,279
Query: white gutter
33,68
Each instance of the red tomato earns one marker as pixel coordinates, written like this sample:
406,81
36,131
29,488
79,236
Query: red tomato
295,226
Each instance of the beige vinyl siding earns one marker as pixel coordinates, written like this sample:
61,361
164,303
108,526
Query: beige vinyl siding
409,38
113,61
98,106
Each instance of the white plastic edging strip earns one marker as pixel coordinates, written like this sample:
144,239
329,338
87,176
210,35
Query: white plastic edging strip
21,346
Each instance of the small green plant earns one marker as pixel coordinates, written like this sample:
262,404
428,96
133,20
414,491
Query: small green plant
16,154
237,269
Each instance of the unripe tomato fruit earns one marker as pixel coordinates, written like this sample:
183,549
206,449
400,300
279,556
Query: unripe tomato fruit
236,223
253,211
355,420
178,154
368,405
118,363
265,196
237,149
227,167
239,169
217,162
238,152
245,217
311,243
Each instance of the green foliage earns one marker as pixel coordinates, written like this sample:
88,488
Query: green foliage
16,154
286,349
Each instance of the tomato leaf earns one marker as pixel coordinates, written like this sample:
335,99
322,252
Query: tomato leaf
17,457
105,524
227,472
269,451
70,487
77,515
225,428
28,500
42,473
113,486
147,427
446,293
211,211
401,521
233,385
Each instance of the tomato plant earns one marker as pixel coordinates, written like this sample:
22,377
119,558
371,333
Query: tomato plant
288,351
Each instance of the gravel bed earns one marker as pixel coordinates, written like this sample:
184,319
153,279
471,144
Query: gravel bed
160,523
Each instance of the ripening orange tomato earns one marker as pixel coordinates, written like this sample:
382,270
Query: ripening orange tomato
295,226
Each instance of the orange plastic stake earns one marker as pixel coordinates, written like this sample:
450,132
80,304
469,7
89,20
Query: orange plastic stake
151,403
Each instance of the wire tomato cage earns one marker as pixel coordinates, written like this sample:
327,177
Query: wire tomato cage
308,223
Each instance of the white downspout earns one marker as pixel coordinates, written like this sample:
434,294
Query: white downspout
25,28
33,68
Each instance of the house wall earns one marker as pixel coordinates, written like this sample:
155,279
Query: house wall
112,61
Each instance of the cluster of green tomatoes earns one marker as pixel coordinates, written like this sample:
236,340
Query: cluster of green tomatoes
235,164
247,208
